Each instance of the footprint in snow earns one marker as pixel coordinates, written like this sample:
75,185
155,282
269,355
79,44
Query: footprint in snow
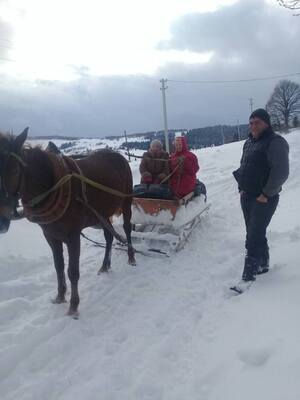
254,357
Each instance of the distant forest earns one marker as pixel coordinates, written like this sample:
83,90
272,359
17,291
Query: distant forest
197,138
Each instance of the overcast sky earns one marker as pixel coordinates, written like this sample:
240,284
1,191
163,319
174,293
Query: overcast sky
92,67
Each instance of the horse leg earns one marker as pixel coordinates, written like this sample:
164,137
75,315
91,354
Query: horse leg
73,245
127,229
57,251
107,257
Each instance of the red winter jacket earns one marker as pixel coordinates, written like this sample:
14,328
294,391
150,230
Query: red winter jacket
183,181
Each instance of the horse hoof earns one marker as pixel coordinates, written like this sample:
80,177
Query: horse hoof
103,269
76,315
58,300
73,313
132,262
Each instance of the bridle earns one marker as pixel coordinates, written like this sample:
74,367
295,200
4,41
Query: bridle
6,197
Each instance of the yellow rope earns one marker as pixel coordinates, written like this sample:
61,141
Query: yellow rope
36,200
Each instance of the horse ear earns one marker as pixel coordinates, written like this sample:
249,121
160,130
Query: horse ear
19,140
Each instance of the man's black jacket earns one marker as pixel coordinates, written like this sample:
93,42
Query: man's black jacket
264,164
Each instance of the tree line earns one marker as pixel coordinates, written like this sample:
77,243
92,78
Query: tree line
197,138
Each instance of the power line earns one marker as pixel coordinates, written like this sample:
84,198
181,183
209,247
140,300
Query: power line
238,80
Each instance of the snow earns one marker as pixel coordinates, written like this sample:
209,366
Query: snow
184,214
84,145
169,328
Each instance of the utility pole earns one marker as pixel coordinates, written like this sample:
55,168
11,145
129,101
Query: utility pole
163,92
127,145
238,130
251,104
222,133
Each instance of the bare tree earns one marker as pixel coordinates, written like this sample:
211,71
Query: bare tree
290,4
284,103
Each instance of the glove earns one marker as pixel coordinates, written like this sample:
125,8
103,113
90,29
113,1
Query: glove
146,178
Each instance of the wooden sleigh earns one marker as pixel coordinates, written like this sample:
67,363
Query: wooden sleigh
155,206
164,226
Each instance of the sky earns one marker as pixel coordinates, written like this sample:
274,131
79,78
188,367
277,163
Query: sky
92,68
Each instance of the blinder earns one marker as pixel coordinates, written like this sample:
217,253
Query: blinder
6,198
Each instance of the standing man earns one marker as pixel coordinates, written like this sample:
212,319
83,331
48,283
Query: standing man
263,170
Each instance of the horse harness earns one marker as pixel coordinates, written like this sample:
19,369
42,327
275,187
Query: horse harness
54,206
51,205
5,196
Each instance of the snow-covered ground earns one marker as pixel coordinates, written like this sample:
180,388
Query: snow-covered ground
83,145
168,329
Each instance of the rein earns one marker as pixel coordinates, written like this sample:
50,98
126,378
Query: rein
156,159
64,180
173,172
39,198
84,180
36,200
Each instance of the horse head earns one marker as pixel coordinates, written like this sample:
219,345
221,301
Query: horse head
11,165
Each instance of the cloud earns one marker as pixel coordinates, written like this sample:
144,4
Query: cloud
249,33
248,39
89,106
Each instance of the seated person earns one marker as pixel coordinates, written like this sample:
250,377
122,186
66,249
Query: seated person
153,168
185,166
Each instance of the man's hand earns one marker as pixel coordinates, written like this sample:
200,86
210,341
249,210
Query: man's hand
262,198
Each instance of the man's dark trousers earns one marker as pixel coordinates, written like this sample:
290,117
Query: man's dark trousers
257,218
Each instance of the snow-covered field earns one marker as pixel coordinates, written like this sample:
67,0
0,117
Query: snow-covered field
168,329
83,145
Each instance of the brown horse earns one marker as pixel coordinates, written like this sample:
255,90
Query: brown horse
30,174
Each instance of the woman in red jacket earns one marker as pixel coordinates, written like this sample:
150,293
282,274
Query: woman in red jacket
185,166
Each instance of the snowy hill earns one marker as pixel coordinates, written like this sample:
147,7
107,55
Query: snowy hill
167,329
83,145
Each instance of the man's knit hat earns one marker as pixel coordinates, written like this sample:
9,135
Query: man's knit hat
261,114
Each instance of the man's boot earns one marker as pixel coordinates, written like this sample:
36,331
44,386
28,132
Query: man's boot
264,263
250,269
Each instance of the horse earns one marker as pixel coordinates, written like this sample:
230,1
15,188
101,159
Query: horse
64,207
